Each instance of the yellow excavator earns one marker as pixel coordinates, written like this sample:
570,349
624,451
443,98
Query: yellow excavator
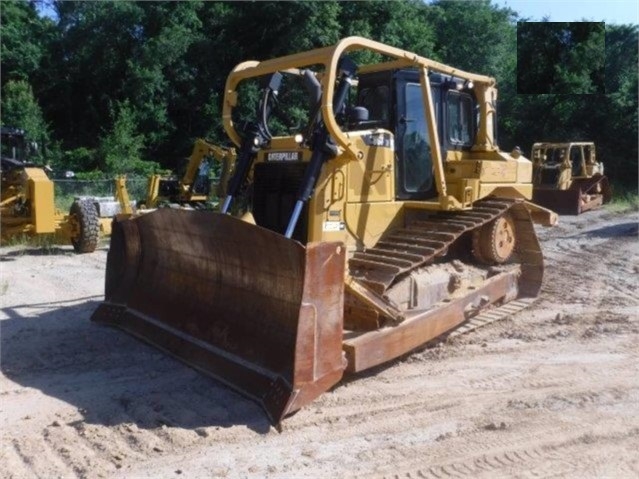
384,221
193,188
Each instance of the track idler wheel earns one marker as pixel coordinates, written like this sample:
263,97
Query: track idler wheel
494,243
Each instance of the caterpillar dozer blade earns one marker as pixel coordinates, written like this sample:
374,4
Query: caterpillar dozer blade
583,195
257,311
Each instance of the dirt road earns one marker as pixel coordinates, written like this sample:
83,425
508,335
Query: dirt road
553,391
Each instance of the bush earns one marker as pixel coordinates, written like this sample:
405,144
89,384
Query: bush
78,159
624,198
120,149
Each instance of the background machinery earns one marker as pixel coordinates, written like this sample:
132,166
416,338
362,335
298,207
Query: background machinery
27,203
568,178
387,219
193,189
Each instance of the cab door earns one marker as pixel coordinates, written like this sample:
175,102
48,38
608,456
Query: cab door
414,169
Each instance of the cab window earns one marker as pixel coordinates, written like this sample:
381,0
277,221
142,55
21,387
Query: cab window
377,101
418,164
459,118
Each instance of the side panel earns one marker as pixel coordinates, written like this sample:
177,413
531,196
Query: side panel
42,200
370,179
486,172
366,223
353,201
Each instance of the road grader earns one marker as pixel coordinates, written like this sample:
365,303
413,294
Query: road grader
386,219
27,202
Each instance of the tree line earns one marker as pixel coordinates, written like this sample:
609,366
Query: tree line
123,86
561,57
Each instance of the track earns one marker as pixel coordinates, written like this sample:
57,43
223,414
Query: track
422,242
487,317
419,244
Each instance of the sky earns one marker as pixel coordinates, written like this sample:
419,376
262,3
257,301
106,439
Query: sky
609,11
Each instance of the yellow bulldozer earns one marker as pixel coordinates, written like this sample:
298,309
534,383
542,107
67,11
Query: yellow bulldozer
384,221
568,178
27,202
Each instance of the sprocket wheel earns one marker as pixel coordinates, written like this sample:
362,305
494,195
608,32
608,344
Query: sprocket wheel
494,243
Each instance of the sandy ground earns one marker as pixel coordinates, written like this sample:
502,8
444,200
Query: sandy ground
551,392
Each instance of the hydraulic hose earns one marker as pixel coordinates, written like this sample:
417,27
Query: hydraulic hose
256,134
322,145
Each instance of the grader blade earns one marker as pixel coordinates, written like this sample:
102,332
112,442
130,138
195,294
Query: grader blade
257,311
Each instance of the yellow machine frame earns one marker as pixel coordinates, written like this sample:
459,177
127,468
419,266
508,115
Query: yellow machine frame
341,272
32,186
589,164
201,150
358,187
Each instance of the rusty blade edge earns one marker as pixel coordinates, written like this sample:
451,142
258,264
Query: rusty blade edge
272,392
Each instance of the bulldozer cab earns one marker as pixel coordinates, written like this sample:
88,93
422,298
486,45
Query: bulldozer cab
398,122
551,159
389,106
394,101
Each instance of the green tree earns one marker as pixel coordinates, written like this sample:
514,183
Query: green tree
160,78
88,65
476,39
402,24
21,46
618,121
122,81
560,57
121,147
21,110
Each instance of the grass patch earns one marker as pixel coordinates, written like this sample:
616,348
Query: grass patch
45,243
16,240
623,199
63,203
